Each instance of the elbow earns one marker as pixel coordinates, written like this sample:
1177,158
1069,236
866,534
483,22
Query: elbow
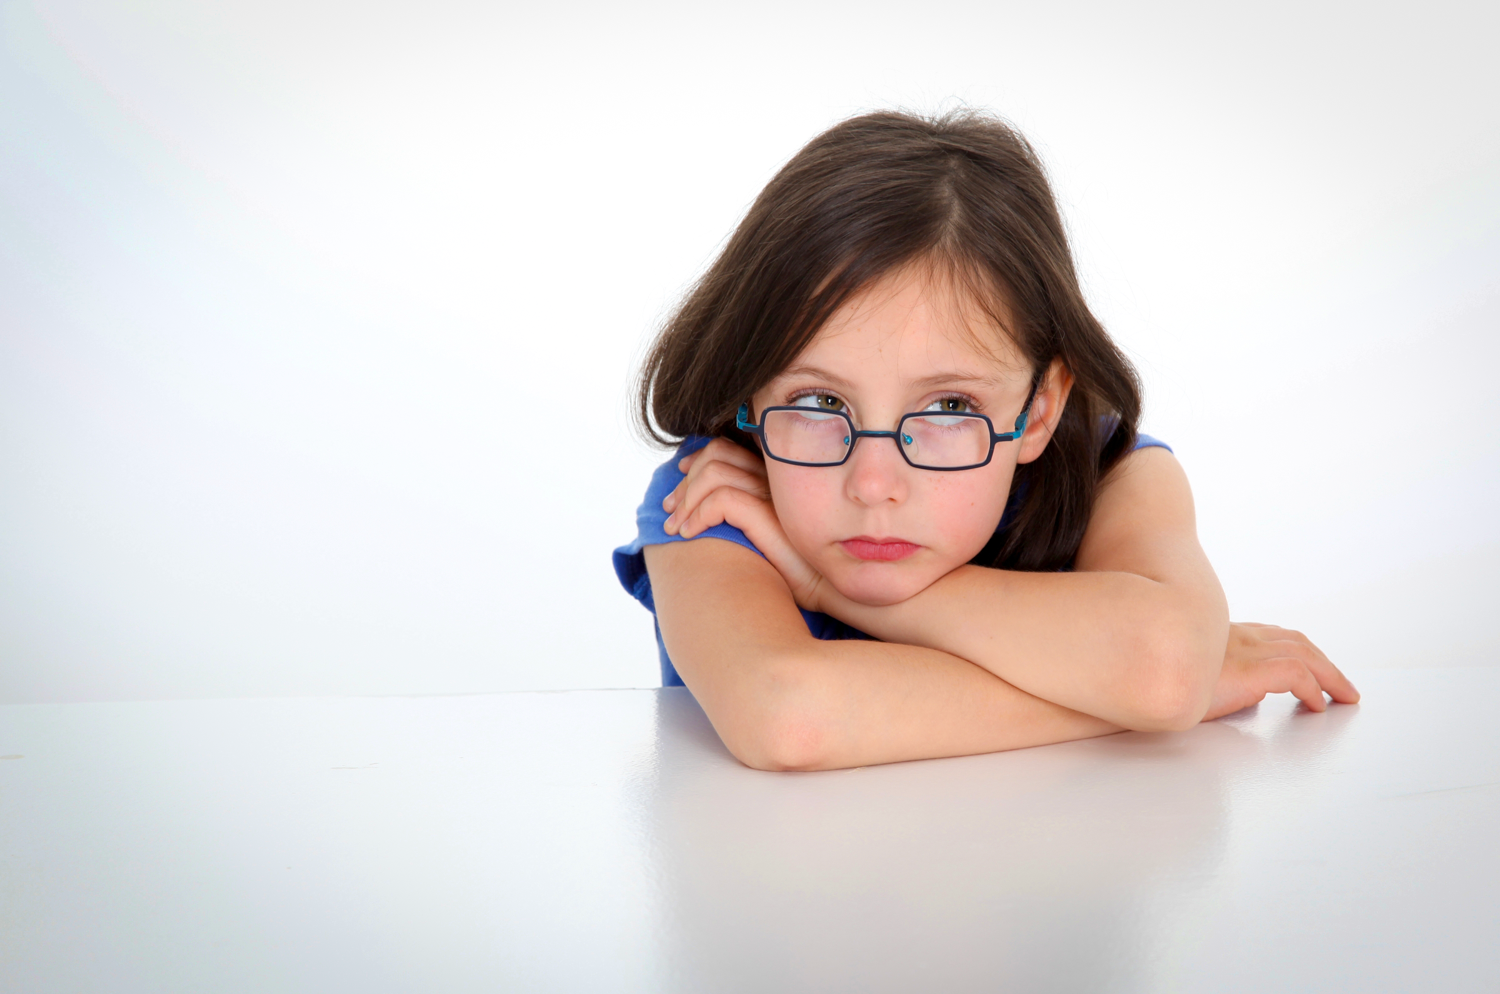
777,750
1177,682
1171,707
787,729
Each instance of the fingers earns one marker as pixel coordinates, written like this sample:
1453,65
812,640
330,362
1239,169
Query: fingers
719,463
757,519
722,450
715,508
1303,685
1278,642
1329,676
1332,679
715,477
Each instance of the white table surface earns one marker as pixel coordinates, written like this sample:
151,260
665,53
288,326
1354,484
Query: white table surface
604,840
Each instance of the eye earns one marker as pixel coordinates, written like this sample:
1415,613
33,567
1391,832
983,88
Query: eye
951,405
821,401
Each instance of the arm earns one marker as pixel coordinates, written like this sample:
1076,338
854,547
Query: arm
1152,652
781,699
1135,635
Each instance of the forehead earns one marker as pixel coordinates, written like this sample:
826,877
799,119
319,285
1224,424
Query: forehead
922,322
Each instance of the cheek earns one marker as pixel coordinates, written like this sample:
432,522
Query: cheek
962,509
806,500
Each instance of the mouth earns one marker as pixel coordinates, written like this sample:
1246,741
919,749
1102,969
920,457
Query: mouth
879,550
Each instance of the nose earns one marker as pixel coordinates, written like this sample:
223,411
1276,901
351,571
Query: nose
875,473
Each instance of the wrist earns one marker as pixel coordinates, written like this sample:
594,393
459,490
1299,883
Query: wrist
877,620
913,620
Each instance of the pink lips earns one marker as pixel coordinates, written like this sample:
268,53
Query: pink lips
878,550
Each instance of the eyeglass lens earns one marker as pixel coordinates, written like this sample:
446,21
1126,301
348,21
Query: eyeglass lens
941,441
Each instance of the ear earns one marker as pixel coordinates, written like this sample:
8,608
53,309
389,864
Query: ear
1046,411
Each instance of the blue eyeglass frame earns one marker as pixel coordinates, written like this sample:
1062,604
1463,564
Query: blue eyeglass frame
743,423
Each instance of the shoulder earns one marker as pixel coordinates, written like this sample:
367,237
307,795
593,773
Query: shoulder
1144,502
1144,441
1150,470
650,521
1148,451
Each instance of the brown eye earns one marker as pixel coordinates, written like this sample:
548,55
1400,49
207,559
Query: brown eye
950,405
822,401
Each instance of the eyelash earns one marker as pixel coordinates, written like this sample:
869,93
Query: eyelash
813,393
973,404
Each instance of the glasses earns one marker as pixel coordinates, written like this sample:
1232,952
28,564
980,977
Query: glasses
806,436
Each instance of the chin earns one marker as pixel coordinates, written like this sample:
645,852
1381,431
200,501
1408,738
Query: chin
881,585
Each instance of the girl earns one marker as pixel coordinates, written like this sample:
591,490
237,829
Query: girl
939,530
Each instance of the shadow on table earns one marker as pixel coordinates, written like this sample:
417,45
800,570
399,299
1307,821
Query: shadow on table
1056,868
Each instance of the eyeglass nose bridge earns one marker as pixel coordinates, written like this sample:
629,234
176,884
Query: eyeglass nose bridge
856,435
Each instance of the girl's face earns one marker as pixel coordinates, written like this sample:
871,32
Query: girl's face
877,528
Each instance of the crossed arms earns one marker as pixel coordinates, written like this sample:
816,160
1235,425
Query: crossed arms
1136,637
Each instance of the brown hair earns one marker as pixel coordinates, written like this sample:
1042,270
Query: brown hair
963,191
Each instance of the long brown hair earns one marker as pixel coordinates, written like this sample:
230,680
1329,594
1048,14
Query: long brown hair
963,191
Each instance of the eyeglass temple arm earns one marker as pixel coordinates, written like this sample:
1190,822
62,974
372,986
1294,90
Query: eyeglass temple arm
1021,419
742,420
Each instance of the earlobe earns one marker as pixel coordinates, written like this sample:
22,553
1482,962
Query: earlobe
1046,411
1038,432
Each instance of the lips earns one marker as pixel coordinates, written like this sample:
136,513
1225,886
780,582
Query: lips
879,550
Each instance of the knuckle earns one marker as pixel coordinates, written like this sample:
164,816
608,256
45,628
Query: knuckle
1288,669
709,453
735,476
719,469
710,472
726,451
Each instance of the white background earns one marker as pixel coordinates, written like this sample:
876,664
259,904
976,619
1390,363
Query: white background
279,282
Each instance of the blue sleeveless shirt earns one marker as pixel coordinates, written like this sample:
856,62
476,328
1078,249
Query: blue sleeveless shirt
630,560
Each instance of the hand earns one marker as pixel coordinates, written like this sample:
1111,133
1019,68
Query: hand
726,484
1264,659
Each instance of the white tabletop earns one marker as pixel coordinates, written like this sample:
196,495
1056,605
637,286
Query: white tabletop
604,840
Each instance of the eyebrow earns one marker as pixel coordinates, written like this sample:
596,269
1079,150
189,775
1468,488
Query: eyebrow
942,379
939,379
818,372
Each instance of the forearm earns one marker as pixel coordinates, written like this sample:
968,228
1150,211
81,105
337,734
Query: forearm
1134,635
834,705
781,699
1134,651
